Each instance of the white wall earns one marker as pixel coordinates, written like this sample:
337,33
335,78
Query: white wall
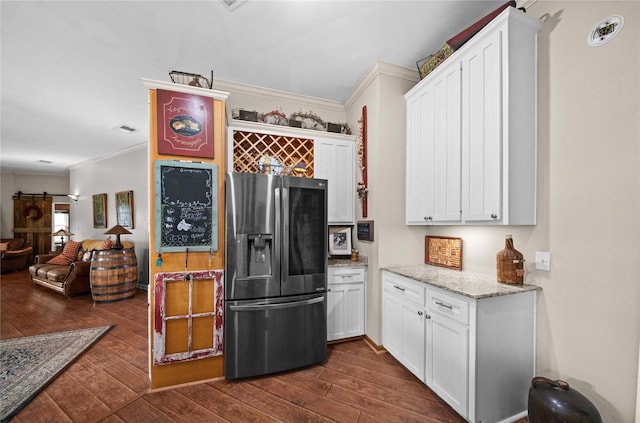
124,171
11,182
382,90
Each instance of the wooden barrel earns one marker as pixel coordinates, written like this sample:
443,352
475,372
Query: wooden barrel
114,274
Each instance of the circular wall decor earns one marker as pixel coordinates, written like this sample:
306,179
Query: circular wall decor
605,30
32,212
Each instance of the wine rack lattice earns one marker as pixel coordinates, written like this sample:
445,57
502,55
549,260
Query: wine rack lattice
249,147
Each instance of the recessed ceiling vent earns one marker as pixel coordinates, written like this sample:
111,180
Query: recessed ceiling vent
126,129
233,4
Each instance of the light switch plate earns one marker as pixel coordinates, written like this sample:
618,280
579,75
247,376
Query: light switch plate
543,261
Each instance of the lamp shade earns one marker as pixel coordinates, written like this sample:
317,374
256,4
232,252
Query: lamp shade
117,231
61,232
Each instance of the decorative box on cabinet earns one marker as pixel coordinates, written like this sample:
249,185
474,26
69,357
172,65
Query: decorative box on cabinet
345,302
477,354
472,130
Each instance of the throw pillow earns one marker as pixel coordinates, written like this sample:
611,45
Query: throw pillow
71,249
60,259
106,244
87,255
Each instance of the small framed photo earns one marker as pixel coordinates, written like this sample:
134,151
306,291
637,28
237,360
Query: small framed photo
340,241
124,208
100,210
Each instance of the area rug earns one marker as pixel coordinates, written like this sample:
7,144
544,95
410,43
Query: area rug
28,364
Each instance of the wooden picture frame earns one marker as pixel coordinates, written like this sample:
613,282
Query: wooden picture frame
340,241
100,210
124,209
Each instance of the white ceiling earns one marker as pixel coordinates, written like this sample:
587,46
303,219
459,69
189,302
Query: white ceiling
70,70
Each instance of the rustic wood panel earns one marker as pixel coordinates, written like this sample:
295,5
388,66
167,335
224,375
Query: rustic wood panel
34,229
206,368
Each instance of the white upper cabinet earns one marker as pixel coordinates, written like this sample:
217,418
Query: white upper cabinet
433,150
472,131
334,161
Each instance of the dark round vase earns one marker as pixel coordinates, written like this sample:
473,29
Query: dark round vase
553,401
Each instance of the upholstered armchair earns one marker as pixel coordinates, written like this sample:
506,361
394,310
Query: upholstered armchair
15,254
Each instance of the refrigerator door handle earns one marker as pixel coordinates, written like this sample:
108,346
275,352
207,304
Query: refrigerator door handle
277,250
284,269
263,306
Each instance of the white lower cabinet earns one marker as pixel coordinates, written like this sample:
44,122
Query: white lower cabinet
447,360
476,354
345,302
403,323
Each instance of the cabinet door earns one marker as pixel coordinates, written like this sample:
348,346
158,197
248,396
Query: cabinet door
419,170
483,132
345,311
335,162
413,341
392,325
434,150
447,361
447,147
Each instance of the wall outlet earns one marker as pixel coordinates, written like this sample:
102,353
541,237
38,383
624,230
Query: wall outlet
543,261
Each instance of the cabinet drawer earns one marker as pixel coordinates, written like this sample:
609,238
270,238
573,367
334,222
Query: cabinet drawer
404,288
448,305
345,275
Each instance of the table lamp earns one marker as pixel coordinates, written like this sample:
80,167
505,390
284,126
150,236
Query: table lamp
117,231
62,233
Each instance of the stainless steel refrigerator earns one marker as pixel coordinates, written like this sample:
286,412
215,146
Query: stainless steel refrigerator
275,273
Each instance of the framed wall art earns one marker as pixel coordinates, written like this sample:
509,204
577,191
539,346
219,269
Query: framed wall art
100,210
124,209
185,124
340,241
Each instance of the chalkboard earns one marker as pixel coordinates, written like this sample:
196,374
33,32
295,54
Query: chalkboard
186,206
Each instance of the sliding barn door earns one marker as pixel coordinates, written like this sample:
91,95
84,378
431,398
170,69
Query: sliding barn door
32,221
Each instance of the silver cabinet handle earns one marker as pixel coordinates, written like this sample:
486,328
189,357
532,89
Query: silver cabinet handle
419,313
444,305
494,216
427,316
398,287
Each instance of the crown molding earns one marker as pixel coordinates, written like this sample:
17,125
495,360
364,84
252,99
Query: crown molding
380,68
269,93
109,156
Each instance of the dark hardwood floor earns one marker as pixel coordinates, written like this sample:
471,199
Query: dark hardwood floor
109,382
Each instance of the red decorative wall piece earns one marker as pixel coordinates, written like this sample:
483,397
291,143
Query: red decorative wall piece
185,124
363,190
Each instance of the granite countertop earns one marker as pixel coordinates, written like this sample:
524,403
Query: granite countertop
469,284
346,262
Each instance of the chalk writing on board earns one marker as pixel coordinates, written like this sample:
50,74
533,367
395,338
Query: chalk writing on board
187,205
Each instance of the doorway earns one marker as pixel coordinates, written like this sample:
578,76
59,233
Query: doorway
60,221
